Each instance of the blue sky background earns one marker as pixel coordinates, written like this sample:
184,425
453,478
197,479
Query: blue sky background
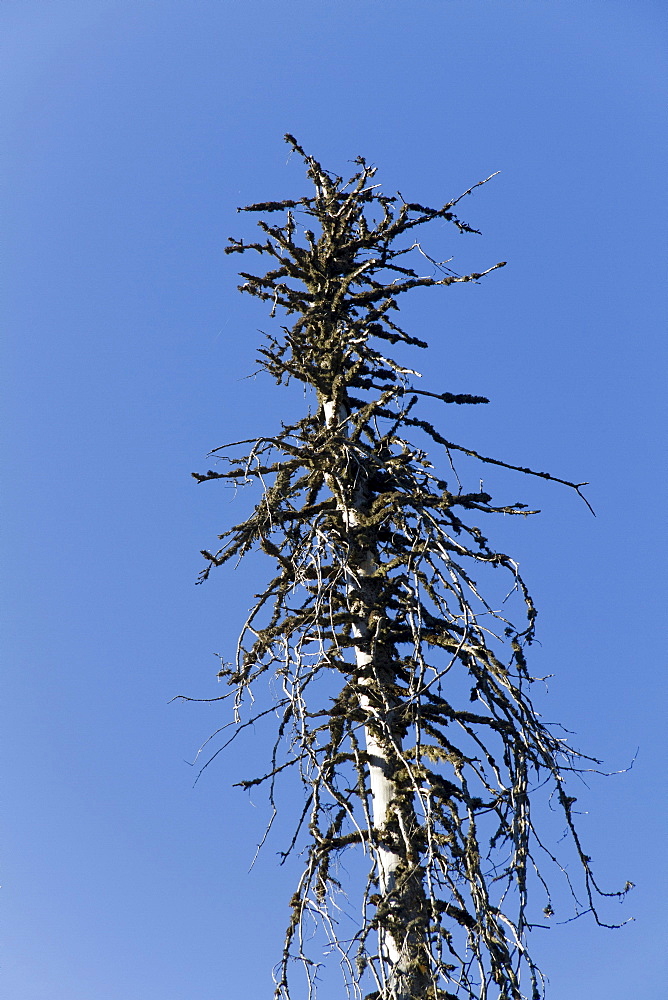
133,130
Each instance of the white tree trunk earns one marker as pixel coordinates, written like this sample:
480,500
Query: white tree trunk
383,789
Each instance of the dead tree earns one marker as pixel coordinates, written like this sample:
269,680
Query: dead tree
372,613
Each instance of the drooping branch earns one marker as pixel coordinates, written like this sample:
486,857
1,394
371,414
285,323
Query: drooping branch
374,624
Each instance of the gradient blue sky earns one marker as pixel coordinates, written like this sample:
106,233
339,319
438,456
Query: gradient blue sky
132,132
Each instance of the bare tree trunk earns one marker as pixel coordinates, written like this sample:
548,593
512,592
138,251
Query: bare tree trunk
403,898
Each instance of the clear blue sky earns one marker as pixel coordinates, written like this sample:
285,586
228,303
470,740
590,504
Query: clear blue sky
132,131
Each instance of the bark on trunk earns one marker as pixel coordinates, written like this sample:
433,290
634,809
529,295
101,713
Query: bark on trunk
401,946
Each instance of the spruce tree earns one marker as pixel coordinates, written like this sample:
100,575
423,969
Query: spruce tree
373,624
